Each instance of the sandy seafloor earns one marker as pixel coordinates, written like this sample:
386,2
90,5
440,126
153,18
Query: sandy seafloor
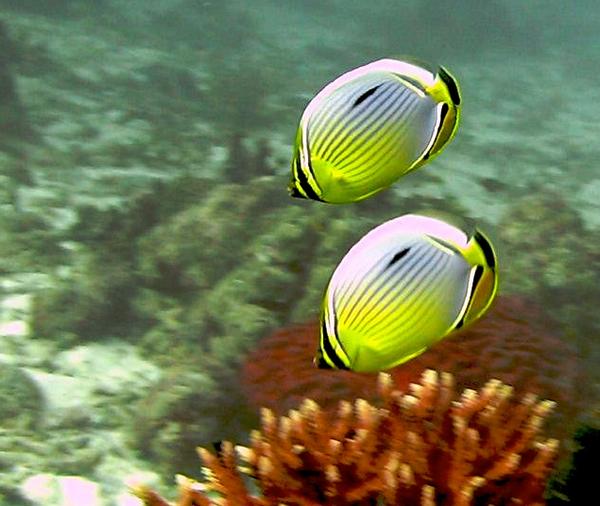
113,113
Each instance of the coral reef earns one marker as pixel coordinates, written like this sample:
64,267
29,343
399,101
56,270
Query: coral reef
100,287
173,256
512,342
131,137
184,409
549,220
98,293
20,398
551,257
424,447
14,120
27,240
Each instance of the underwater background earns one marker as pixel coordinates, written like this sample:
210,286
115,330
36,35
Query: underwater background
158,285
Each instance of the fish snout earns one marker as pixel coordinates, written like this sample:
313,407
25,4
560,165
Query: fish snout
320,362
293,192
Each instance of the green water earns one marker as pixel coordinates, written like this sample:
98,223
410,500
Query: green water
147,241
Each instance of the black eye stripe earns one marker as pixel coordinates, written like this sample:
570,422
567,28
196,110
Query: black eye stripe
398,256
366,95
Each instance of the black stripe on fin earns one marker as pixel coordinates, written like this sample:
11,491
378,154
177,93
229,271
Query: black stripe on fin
328,348
443,111
486,248
397,256
365,95
450,82
303,182
476,277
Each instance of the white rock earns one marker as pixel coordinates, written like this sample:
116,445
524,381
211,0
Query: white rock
78,491
123,370
25,282
20,303
40,489
51,490
15,328
63,395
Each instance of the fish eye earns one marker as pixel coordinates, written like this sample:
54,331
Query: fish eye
366,95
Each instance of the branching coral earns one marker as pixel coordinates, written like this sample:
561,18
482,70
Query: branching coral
424,448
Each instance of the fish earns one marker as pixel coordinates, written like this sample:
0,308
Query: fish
400,289
369,127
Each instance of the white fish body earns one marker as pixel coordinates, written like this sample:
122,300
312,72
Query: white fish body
400,289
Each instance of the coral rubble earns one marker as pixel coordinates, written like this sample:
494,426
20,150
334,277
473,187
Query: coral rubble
424,447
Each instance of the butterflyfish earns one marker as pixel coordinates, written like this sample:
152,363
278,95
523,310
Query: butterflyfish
369,127
400,289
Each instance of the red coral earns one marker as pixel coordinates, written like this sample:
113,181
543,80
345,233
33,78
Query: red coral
512,343
280,373
427,447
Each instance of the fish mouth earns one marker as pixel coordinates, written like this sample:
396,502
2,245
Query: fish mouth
293,192
320,362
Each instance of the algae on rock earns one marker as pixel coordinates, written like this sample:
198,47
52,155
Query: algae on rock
21,402
550,255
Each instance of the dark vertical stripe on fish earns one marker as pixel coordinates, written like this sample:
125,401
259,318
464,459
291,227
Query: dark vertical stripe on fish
353,157
476,278
486,248
358,118
397,257
332,118
388,112
365,95
400,281
409,290
451,84
375,285
328,348
443,112
303,182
